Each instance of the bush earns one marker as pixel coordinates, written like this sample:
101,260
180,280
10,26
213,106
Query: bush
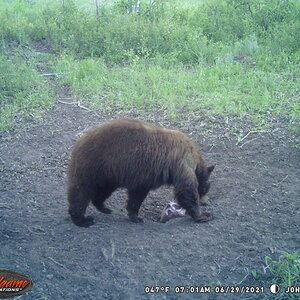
183,35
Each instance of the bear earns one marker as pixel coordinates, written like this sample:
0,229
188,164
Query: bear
137,156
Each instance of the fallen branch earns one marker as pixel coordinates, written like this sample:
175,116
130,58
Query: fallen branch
251,131
72,103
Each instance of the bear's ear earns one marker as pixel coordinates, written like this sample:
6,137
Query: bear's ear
210,169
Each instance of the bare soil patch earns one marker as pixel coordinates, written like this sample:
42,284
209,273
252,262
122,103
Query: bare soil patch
254,198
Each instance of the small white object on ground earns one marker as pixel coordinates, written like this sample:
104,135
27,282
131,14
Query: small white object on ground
172,211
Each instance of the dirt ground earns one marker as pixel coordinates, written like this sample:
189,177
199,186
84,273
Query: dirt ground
254,198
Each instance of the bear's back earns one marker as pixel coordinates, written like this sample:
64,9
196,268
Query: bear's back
130,152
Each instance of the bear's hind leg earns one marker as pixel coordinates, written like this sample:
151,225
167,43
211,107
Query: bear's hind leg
78,202
101,196
134,202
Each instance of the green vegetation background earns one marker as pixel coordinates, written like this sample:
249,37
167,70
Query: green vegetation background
234,57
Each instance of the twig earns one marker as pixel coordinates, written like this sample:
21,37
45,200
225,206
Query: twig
244,277
44,269
63,102
251,131
283,179
104,252
81,106
72,103
243,138
59,264
112,249
36,230
219,268
50,74
276,184
247,142
213,145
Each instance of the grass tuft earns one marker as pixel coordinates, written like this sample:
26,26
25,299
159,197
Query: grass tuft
23,92
285,272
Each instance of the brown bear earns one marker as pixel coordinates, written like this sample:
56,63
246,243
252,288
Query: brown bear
140,157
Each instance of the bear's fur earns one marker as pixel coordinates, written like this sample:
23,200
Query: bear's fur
137,156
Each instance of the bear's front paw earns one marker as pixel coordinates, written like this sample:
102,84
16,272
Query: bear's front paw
105,210
136,220
84,222
204,217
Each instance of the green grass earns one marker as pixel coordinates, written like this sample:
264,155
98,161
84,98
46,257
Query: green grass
224,88
23,92
285,272
188,57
